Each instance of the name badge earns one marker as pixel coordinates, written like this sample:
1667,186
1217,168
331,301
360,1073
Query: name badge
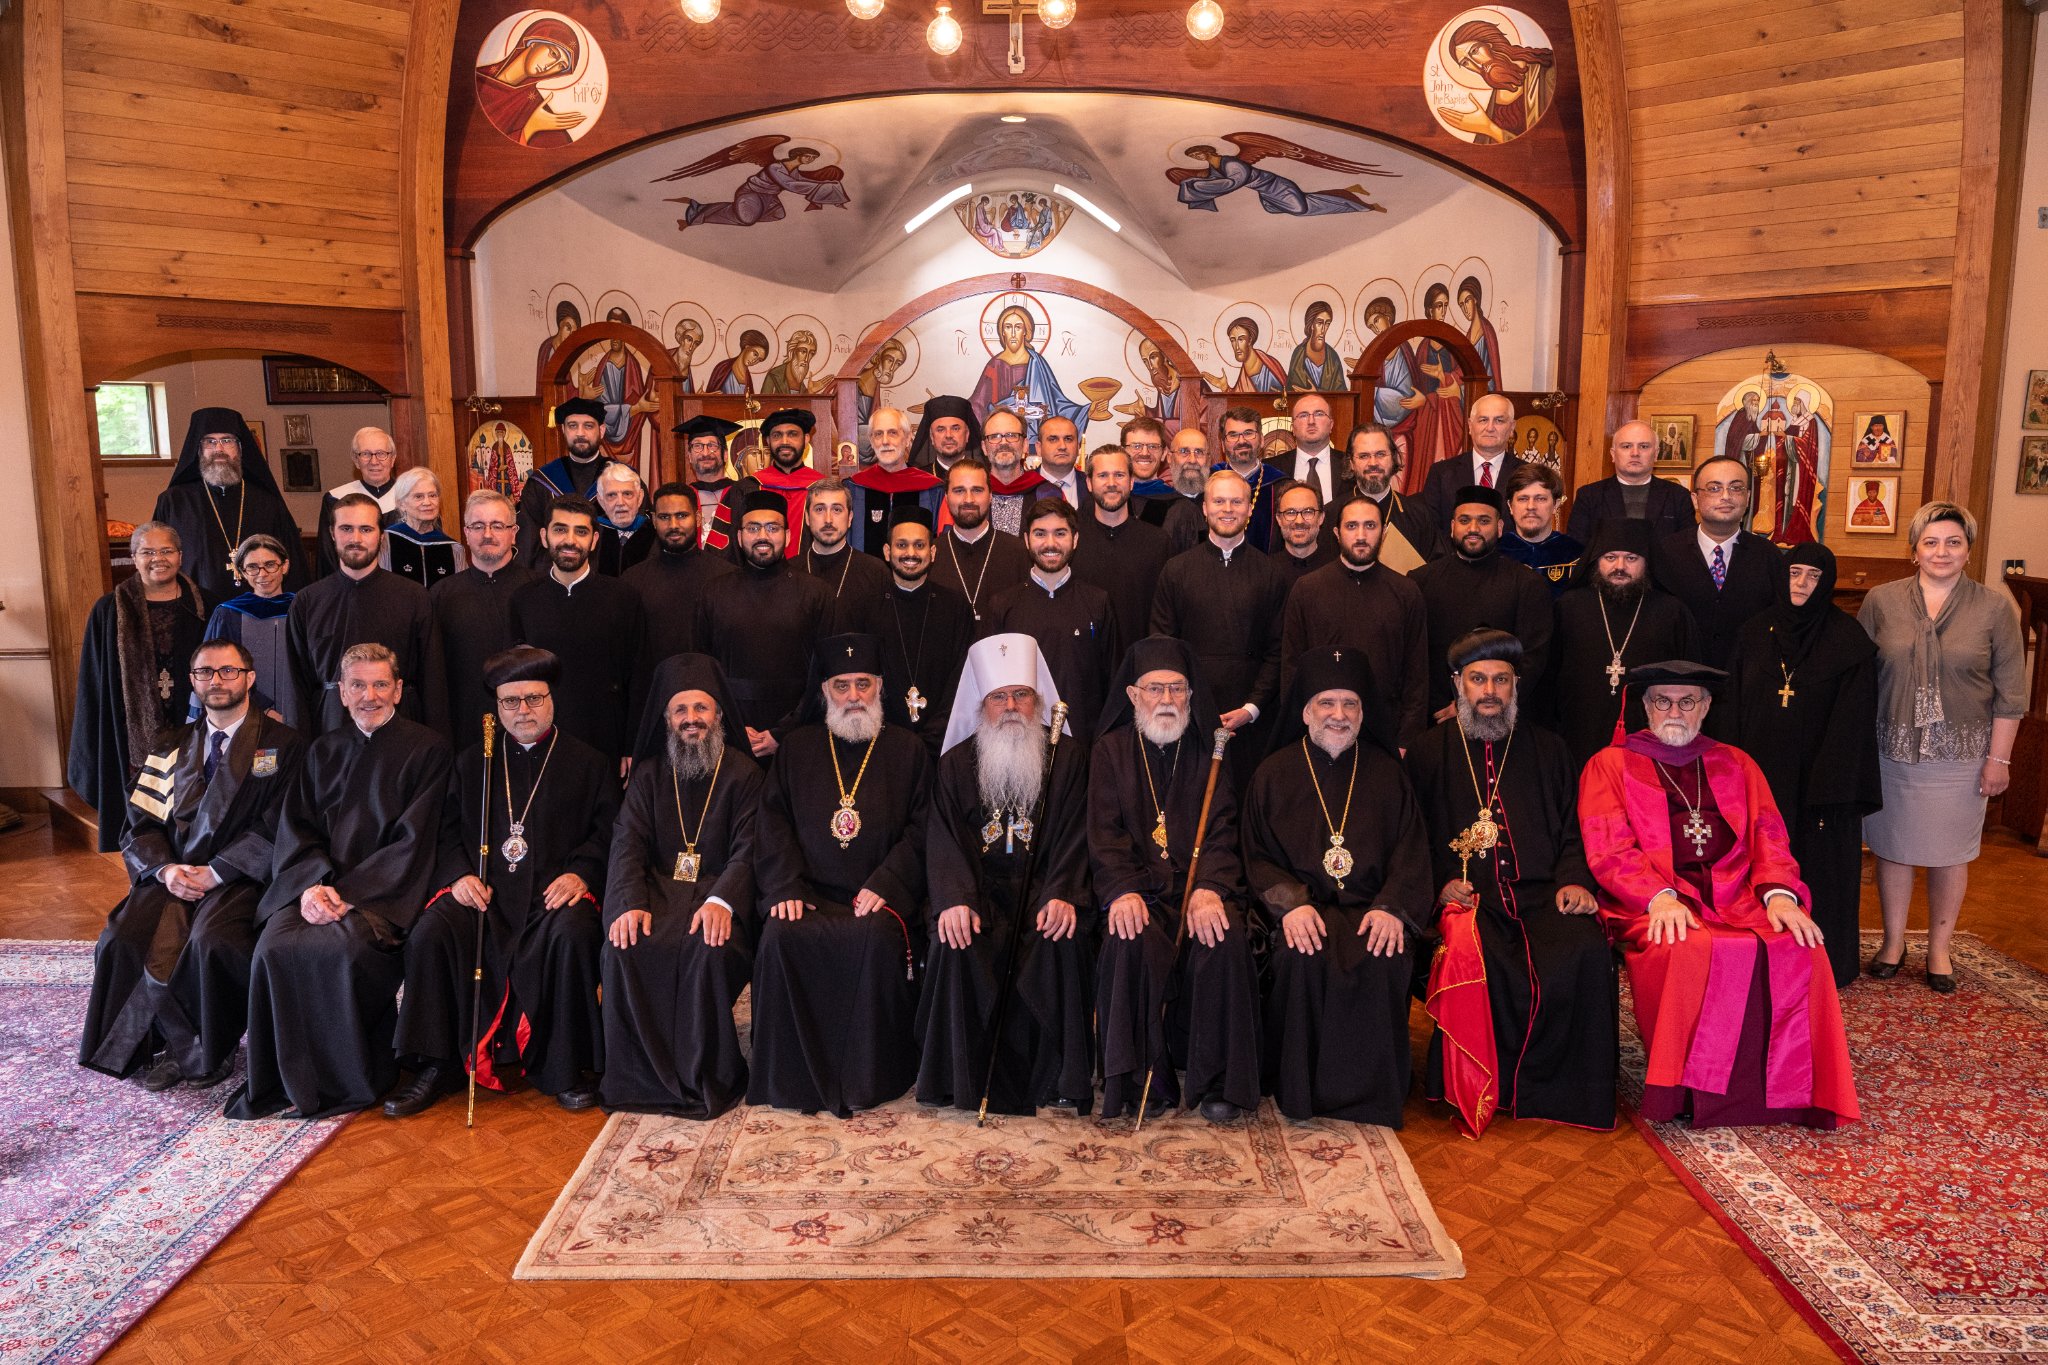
265,764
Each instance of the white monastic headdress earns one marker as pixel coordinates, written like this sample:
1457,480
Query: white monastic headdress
997,662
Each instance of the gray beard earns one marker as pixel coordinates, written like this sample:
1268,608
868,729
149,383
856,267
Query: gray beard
1330,742
220,476
1490,728
1376,493
852,721
693,759
1164,732
1188,483
1009,760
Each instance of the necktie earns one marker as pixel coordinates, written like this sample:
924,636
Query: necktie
1485,474
215,743
1315,480
1718,567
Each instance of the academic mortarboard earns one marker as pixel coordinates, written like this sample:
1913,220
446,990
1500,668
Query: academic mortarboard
579,407
703,424
788,417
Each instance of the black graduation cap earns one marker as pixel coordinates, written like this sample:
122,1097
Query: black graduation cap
686,673
703,424
788,417
1676,673
579,407
522,663
1478,493
764,500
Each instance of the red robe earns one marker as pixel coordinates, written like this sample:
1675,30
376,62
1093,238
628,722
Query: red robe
1690,996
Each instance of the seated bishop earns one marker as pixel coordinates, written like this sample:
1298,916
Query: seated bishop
841,881
1335,855
1004,1016
171,973
1169,994
680,917
1730,980
541,805
356,847
1523,987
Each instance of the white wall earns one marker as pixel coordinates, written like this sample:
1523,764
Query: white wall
2019,523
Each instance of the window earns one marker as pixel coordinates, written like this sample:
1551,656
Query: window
132,421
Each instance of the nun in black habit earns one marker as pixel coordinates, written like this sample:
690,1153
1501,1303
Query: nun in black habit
1801,699
1335,853
213,517
841,838
679,911
1144,801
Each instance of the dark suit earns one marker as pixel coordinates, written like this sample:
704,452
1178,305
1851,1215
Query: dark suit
1440,491
1669,510
1751,586
1084,503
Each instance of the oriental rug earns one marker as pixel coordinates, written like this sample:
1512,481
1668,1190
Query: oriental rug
903,1192
108,1194
1918,1236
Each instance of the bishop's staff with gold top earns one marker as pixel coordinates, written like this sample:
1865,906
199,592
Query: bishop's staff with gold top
1187,895
483,874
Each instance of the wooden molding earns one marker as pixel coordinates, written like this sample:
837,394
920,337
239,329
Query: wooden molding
119,334
1365,371
1904,324
426,418
1601,386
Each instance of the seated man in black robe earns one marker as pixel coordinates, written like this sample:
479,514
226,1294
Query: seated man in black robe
356,847
1158,1007
171,971
1009,804
679,906
1523,992
591,623
840,868
551,800
1334,851
222,492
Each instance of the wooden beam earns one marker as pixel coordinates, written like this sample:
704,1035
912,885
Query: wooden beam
427,418
1604,398
70,503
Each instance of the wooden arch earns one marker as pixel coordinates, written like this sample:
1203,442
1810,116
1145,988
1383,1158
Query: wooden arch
1365,374
845,410
663,381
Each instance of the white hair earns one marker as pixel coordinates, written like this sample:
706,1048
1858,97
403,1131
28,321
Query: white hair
402,487
619,473
854,720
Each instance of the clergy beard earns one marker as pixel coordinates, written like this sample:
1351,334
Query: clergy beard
1188,480
222,473
856,722
785,457
1333,737
1622,594
1493,728
696,758
1009,755
582,451
1675,731
1376,489
1164,726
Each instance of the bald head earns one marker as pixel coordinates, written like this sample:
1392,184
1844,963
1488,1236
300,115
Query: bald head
375,454
1634,450
1491,424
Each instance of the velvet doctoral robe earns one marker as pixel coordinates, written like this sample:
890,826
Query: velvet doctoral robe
170,973
539,1013
1373,609
1460,594
559,477
378,608
1524,995
671,1045
1208,996
761,625
619,548
1076,630
1046,1044
593,627
363,817
1229,609
1741,1023
980,570
1336,1028
835,994
876,493
473,617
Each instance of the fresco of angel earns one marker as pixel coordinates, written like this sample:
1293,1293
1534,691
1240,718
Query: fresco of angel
1238,169
759,197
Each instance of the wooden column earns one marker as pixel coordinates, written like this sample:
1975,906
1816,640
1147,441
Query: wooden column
1604,402
429,414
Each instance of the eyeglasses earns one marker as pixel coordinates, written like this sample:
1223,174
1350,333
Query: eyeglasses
532,701
1714,490
1666,705
1161,691
159,554
265,566
1300,514
479,527
226,673
1002,438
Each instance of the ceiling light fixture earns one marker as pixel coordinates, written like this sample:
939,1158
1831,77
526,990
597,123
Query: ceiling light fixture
1013,118
1093,212
864,9
943,33
1205,20
700,11
1056,13
933,209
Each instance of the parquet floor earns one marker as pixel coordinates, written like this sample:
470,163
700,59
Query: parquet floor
396,1242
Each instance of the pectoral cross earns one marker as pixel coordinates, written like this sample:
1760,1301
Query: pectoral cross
914,702
1785,695
1614,673
1698,831
233,572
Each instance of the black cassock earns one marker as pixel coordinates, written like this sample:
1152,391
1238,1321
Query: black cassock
925,633
1211,1025
247,508
593,627
547,482
364,817
853,578
1578,700
669,584
1336,1035
671,1045
1549,976
1373,609
133,689
980,570
340,611
540,1009
1229,611
1459,595
761,625
1294,567
834,994
1047,1046
172,973
1077,635
1124,561
619,548
473,616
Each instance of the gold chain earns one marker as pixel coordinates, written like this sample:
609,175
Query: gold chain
689,840
832,748
241,506
506,768
1336,829
1486,798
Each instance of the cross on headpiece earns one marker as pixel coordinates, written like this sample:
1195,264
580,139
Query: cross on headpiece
1336,656
849,651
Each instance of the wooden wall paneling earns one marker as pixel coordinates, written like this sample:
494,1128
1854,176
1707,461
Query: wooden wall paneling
1601,388
69,501
1906,324
428,415
119,334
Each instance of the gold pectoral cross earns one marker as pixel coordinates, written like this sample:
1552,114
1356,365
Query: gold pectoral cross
1785,695
1698,831
1614,673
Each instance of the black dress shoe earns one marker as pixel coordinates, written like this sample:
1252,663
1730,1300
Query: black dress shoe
1221,1111
1942,983
161,1077
215,1076
1882,970
426,1086
579,1099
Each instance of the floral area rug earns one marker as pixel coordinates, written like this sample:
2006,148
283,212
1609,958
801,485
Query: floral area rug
904,1192
1918,1236
108,1194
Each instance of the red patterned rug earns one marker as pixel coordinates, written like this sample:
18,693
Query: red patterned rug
1920,1235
